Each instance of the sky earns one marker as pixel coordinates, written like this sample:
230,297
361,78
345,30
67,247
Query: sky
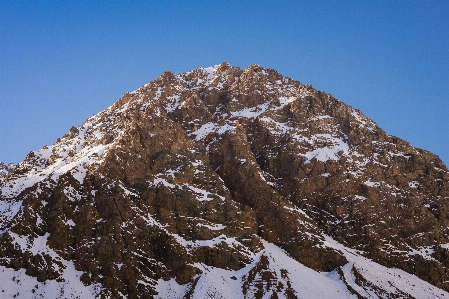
64,61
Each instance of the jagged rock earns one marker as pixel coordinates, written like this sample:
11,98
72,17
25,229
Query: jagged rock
223,174
5,169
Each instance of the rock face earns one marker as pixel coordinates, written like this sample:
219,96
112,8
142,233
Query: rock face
220,183
5,169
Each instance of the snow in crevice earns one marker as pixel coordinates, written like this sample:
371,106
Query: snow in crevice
358,117
252,112
362,120
372,184
332,152
72,194
277,128
203,195
319,117
424,251
413,184
211,127
127,191
168,179
190,245
211,73
218,226
173,103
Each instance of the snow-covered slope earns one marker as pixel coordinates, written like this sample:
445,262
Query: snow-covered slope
272,273
275,268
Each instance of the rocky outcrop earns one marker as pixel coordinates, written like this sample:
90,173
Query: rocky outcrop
197,171
5,169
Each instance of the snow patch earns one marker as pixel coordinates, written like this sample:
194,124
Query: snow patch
413,184
328,152
209,128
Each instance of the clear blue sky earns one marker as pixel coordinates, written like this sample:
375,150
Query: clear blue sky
63,61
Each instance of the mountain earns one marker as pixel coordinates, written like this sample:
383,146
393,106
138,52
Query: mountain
226,183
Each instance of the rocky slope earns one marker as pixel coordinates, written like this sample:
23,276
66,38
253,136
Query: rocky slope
5,169
220,183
